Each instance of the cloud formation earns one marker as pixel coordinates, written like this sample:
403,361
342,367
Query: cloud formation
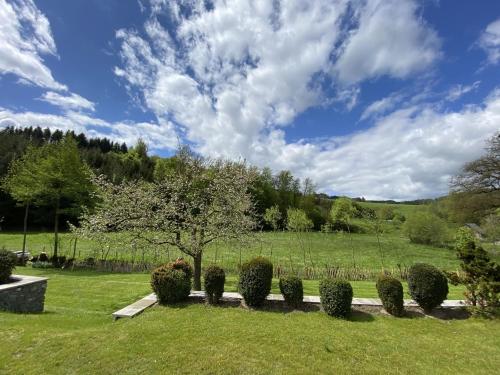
390,40
490,42
71,101
233,76
230,77
25,36
410,153
157,136
457,91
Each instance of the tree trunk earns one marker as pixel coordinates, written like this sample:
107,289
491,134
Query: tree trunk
25,231
197,272
56,231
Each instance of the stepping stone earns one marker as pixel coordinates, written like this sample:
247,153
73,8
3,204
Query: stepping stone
136,308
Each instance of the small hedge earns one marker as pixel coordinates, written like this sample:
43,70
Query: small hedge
8,262
255,281
172,281
428,286
292,290
390,291
336,297
214,283
181,265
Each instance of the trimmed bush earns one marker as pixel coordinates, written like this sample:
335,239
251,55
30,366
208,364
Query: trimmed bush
390,291
172,281
181,265
8,262
214,283
336,297
292,290
255,281
428,286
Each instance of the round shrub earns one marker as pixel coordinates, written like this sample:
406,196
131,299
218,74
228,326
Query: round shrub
214,283
292,290
390,291
255,281
43,257
7,264
428,286
181,265
336,297
172,282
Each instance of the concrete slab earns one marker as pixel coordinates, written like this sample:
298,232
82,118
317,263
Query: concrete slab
136,308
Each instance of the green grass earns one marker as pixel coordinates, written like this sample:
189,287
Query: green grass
288,250
362,289
76,335
406,209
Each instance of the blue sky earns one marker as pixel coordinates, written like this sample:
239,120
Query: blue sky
384,99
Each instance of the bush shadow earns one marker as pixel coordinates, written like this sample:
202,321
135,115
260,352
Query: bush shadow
360,316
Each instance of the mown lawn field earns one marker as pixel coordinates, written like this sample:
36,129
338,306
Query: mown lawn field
291,251
77,335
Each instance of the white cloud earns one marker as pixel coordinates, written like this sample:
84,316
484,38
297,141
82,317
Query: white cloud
390,40
457,91
381,106
232,78
71,101
232,74
25,35
490,42
158,136
408,154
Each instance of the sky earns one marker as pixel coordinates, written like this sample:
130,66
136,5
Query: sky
384,99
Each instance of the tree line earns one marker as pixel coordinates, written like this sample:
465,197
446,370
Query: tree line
56,160
119,163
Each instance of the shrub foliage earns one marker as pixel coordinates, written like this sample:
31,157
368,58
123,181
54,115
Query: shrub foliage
481,275
390,291
428,286
172,281
292,290
336,297
7,264
255,281
426,228
214,283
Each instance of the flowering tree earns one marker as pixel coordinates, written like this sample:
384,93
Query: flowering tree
197,202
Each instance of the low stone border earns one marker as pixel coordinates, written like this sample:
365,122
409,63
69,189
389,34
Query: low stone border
26,294
231,297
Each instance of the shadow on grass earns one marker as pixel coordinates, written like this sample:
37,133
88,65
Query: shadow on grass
458,313
21,313
360,316
76,272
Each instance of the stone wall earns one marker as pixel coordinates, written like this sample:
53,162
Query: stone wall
26,294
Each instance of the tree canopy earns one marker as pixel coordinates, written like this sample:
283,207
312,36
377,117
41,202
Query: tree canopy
200,201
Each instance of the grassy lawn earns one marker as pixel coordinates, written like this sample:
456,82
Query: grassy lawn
76,335
287,250
406,209
362,289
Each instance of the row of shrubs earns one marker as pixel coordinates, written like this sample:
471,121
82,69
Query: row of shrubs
427,285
